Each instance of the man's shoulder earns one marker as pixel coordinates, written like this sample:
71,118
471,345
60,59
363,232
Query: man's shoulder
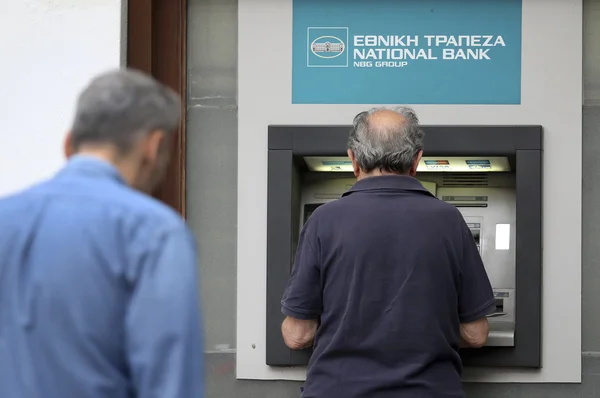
433,203
425,209
325,210
20,201
110,197
142,210
146,206
425,201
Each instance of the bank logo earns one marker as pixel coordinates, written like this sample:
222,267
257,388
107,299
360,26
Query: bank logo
327,47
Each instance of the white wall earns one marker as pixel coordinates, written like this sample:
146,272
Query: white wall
551,96
49,49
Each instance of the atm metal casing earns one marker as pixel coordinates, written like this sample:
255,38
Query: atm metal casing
522,145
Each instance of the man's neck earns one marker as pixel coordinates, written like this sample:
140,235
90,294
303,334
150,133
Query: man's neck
124,166
378,173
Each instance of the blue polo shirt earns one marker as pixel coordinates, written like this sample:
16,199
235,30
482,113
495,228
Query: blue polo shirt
98,291
391,272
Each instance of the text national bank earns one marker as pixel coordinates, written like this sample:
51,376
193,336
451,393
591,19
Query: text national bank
394,50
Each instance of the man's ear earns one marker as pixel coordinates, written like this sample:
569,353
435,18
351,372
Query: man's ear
355,166
415,165
154,143
68,146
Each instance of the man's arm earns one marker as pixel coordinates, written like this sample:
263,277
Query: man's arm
303,297
474,334
297,333
476,297
163,330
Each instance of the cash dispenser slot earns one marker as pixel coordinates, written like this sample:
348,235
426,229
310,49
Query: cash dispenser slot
499,306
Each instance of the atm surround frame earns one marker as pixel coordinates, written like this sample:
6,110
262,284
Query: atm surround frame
523,145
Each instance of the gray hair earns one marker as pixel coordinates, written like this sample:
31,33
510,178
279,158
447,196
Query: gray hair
119,106
391,148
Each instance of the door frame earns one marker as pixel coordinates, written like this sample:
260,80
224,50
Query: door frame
156,44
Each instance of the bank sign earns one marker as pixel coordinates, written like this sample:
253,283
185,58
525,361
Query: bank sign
406,52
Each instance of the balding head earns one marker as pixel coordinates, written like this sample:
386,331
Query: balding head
387,119
386,140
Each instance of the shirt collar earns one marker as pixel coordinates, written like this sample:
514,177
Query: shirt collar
90,166
388,183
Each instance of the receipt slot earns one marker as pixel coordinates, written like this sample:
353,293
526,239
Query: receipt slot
492,174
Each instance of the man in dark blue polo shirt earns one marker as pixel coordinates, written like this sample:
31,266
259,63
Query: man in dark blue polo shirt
387,282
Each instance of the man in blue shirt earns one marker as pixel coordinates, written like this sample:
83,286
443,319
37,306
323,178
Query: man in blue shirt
98,281
387,281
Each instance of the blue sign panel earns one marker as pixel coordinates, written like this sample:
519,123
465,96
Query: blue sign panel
407,52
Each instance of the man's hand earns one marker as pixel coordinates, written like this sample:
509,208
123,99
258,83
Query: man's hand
298,334
474,334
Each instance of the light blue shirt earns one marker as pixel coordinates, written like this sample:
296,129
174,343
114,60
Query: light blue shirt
98,292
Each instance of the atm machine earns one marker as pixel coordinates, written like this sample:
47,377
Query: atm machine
492,174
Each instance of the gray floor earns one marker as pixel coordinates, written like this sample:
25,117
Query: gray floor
222,384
